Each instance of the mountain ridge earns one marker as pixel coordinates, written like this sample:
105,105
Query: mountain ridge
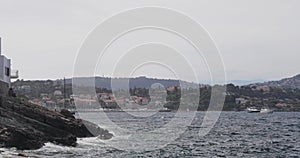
290,82
141,82
145,82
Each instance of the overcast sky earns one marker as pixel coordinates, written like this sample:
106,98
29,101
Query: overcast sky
257,39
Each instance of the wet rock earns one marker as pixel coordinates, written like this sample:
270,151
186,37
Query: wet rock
67,113
27,126
97,131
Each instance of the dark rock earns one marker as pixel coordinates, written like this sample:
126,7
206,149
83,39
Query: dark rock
27,126
67,113
97,131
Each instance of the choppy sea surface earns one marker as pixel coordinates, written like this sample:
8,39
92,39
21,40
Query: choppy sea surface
236,134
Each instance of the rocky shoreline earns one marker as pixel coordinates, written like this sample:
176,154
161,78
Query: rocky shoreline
26,126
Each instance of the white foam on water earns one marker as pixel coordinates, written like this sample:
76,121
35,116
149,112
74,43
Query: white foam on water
10,153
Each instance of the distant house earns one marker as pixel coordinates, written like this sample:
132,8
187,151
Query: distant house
263,88
171,88
5,73
241,101
57,93
105,96
25,88
281,105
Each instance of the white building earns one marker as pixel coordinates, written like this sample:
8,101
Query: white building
5,73
57,93
241,101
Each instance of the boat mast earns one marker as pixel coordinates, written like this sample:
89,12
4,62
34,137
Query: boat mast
65,93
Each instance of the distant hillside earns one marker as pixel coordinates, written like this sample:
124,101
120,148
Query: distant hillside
245,82
140,82
293,83
271,95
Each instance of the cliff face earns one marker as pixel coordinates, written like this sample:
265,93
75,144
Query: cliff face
27,126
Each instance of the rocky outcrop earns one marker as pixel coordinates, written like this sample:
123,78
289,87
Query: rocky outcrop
28,126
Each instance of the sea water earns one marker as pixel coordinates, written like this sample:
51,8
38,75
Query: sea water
236,134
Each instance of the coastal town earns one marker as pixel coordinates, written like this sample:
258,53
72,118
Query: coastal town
57,95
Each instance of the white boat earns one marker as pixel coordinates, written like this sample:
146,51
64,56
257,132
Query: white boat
165,110
266,110
253,110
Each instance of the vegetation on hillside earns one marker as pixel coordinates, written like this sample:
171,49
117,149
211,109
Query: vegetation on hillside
237,98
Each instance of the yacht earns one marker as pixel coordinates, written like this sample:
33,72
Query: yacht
253,110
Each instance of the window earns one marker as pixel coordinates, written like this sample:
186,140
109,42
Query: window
7,71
